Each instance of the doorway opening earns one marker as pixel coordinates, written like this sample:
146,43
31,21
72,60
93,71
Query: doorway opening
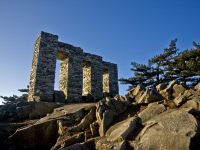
61,74
57,76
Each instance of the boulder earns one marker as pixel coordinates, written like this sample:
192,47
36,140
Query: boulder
178,89
36,136
151,111
41,109
180,99
77,146
7,129
121,98
88,145
94,128
107,119
191,94
107,110
122,130
192,104
172,90
172,129
168,91
161,87
197,87
136,92
187,95
149,96
65,141
63,123
105,145
44,132
60,127
86,121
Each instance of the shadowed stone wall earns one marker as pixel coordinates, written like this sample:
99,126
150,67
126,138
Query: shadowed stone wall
80,73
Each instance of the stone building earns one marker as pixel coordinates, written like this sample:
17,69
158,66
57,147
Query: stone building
81,74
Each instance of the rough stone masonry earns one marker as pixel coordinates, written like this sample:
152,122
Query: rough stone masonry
81,74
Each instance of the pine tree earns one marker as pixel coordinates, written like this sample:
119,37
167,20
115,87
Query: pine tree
14,99
187,65
142,75
162,63
167,66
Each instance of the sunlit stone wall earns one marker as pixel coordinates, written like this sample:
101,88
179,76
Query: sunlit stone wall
63,76
80,73
105,81
86,78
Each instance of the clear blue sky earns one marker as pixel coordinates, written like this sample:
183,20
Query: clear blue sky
119,30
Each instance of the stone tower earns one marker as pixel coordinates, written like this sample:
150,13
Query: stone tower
81,73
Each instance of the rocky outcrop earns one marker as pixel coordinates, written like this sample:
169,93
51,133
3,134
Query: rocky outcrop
117,136
101,144
152,110
41,109
47,131
192,104
146,120
37,135
94,127
174,129
122,130
88,145
68,140
86,121
161,87
186,96
26,110
197,87
149,96
107,110
7,129
172,90
136,93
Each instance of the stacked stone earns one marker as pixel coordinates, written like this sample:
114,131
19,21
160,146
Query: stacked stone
63,76
96,74
105,81
75,80
86,78
113,77
75,75
43,72
33,71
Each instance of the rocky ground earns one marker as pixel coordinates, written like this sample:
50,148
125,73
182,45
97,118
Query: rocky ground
164,118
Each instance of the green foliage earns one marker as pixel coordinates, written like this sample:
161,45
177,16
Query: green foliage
187,65
14,99
142,74
183,66
161,63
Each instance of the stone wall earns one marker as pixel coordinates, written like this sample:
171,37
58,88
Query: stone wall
86,78
80,73
113,77
105,81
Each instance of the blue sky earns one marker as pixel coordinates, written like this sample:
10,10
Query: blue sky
120,31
